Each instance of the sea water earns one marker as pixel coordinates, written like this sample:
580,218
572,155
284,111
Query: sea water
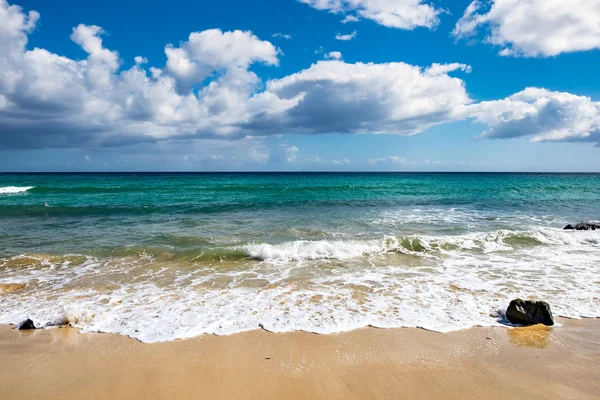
160,257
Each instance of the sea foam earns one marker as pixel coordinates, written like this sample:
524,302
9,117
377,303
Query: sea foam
449,283
501,240
14,189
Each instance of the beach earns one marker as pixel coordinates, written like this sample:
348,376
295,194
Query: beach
297,200
297,286
479,363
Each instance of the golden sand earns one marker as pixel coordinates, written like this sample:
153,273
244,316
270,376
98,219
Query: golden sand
480,363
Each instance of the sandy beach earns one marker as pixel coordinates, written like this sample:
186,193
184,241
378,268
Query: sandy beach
480,363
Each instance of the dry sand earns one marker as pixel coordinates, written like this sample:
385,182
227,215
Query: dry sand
480,363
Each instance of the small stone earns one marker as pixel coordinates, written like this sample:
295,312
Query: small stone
527,312
582,226
26,325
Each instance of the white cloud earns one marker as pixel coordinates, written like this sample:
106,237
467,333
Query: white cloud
259,156
282,154
47,100
401,14
140,60
350,18
343,161
534,28
333,55
50,100
53,101
396,98
396,160
443,69
213,50
290,153
391,160
345,37
281,35
543,114
322,160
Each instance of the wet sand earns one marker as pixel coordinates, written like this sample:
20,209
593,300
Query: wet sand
479,363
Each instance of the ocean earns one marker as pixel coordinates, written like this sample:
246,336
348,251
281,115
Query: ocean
160,257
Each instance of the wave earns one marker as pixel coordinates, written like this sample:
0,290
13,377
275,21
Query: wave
86,189
191,250
14,189
501,240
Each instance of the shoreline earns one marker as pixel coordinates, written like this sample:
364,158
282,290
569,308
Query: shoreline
482,362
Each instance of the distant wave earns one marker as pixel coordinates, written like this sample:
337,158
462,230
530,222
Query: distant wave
14,189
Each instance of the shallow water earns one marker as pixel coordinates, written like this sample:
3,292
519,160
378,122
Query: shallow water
166,256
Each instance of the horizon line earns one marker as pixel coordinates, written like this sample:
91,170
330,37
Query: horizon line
297,172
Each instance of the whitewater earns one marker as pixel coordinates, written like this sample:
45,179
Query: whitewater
14,189
316,286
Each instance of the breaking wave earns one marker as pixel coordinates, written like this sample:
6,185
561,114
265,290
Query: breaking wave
448,283
501,240
14,189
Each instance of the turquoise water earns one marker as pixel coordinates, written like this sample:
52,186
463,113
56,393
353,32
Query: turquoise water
318,252
89,213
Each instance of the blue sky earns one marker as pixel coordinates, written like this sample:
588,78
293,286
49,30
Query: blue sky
501,85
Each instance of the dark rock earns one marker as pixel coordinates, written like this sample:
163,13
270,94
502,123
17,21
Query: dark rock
582,226
26,325
527,312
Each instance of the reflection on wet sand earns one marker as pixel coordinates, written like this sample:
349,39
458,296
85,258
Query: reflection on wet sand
531,336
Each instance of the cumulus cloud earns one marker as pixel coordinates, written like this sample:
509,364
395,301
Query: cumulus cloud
542,114
400,14
397,98
534,28
50,100
213,50
345,36
333,55
207,90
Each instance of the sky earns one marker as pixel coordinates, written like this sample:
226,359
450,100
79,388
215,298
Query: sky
300,85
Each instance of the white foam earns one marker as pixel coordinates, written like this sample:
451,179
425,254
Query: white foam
321,286
346,249
320,249
14,189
